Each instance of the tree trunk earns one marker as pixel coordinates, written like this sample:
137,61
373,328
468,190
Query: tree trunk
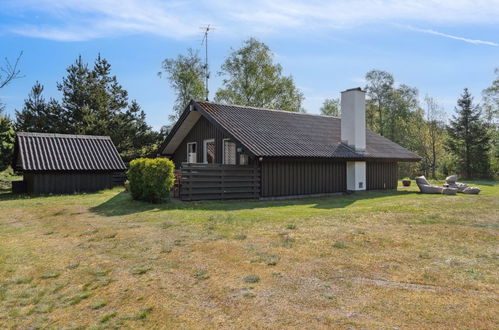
380,112
434,162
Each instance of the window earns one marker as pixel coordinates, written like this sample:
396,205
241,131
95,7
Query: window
243,159
209,151
192,155
229,152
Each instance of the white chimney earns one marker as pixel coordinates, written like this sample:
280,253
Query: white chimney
353,134
353,118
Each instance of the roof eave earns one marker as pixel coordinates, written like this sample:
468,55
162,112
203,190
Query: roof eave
175,128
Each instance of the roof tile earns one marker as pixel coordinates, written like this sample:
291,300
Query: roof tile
63,152
277,133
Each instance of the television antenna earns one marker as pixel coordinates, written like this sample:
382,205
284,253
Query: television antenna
207,29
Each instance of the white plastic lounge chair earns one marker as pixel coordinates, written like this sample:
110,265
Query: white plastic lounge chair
426,188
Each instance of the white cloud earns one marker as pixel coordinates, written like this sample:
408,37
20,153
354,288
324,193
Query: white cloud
471,41
83,20
73,20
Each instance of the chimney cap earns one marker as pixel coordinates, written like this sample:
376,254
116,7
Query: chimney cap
354,89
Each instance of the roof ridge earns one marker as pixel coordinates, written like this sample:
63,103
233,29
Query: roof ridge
66,136
267,109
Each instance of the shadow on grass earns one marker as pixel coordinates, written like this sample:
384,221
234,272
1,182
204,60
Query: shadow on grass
7,195
123,204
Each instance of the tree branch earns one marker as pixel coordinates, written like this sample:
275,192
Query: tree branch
10,72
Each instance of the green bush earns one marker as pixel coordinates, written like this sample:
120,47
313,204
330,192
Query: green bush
151,179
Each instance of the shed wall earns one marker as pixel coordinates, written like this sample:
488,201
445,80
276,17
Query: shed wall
68,183
293,178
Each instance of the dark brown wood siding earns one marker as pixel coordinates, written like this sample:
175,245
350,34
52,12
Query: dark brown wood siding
215,181
203,130
68,183
381,175
294,178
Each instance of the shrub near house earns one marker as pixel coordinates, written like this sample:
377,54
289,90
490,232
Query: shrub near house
151,179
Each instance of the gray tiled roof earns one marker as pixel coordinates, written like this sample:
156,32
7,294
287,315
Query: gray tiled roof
276,133
63,152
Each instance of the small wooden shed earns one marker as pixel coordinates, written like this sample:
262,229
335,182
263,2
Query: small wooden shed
62,163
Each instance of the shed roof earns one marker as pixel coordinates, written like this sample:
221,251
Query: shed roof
64,152
277,133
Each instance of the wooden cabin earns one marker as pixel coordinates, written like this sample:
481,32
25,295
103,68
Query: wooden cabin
229,151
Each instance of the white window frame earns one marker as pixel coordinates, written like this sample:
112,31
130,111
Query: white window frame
196,144
205,150
223,151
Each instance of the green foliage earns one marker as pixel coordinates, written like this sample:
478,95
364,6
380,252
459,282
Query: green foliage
491,106
94,103
394,112
379,88
331,107
340,245
251,78
251,279
151,179
185,74
6,141
427,134
38,115
469,139
448,165
201,274
390,110
6,178
491,100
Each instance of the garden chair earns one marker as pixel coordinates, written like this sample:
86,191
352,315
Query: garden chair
426,188
451,182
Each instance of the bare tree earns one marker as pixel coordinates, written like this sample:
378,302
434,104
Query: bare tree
10,71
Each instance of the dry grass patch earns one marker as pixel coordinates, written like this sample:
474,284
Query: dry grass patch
371,260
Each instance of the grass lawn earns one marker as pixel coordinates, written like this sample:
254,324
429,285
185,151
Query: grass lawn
369,260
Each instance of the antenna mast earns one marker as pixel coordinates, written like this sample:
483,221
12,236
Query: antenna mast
206,71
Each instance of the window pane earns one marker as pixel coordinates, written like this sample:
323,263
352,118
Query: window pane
229,153
243,159
210,152
191,153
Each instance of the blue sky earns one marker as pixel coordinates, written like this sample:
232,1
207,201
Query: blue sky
440,47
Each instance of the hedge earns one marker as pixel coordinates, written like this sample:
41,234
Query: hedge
151,179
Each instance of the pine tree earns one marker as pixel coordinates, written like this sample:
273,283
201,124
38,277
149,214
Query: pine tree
137,138
94,103
469,138
6,140
75,89
38,115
